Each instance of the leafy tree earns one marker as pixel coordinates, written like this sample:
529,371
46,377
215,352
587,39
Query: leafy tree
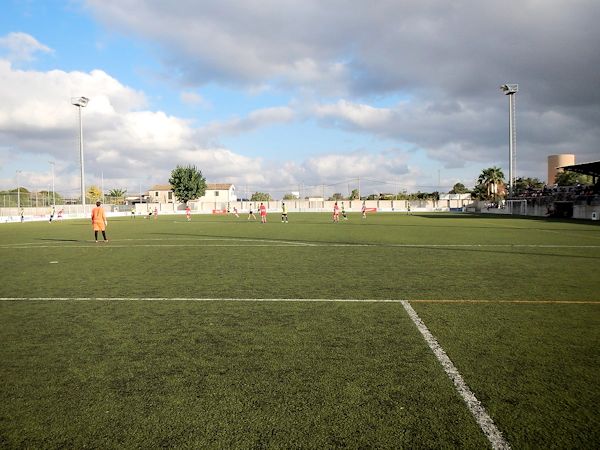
336,196
47,195
479,192
188,183
94,193
524,184
118,195
354,195
459,188
261,197
289,197
568,178
491,178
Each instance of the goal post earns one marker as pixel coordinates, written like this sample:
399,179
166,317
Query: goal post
517,207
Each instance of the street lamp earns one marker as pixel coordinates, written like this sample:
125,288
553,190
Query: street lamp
53,196
511,90
81,102
18,193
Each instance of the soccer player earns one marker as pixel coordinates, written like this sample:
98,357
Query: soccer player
188,213
99,221
363,210
235,212
284,217
52,214
263,213
133,212
344,216
336,213
251,214
155,213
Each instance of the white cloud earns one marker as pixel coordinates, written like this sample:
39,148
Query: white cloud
195,99
21,47
256,119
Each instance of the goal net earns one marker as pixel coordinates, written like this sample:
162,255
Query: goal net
518,207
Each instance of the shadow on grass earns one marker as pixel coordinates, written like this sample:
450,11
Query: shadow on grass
483,249
60,240
469,216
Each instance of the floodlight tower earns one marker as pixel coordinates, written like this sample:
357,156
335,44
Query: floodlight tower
81,102
511,90
18,193
53,195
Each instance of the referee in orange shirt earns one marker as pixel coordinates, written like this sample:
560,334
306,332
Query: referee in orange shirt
99,221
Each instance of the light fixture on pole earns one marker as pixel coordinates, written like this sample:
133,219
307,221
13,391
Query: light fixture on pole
53,195
81,102
511,90
18,193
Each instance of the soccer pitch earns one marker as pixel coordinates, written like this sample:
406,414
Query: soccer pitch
226,333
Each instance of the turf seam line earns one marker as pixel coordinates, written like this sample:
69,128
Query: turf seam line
298,300
483,419
264,300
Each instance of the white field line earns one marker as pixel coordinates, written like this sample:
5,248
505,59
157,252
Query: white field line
208,299
314,300
483,419
274,243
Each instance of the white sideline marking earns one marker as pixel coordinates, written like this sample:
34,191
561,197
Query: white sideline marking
193,242
216,299
481,416
323,300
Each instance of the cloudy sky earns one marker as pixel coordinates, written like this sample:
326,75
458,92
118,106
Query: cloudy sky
287,95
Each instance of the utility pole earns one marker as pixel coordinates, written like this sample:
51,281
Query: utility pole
53,196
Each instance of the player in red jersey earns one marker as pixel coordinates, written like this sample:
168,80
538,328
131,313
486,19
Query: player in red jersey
263,213
336,213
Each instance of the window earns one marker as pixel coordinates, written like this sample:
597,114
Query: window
156,194
216,193
170,196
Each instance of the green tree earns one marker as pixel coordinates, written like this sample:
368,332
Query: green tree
459,188
336,196
568,178
479,192
117,195
289,197
491,179
525,184
188,183
261,197
94,193
354,195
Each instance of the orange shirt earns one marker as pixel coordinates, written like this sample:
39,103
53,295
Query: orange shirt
98,218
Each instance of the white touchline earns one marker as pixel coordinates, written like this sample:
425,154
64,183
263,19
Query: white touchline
201,299
483,419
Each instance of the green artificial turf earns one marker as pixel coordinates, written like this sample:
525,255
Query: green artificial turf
231,375
534,366
386,256
217,374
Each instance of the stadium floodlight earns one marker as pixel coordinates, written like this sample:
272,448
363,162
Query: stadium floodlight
511,89
52,163
18,193
81,102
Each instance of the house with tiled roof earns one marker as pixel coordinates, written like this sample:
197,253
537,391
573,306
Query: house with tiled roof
215,192
161,193
219,192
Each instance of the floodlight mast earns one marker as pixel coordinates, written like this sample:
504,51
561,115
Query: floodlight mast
511,90
81,102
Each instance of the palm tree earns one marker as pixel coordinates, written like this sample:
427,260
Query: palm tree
491,178
118,195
